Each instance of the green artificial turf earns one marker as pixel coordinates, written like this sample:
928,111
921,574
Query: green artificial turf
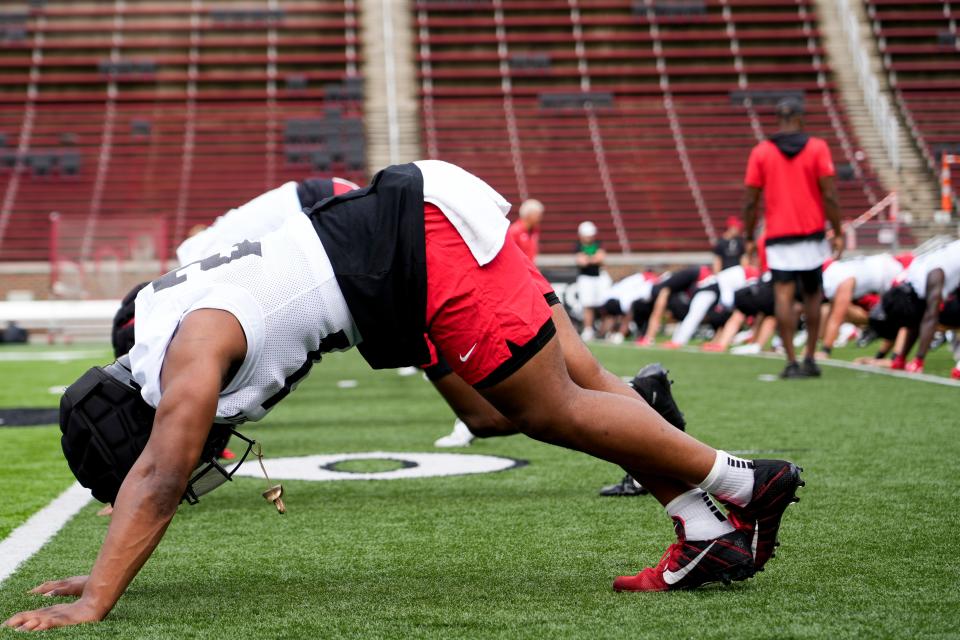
531,552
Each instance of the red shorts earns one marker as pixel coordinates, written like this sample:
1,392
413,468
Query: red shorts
488,321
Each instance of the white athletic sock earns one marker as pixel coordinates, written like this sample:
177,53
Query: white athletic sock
702,519
730,479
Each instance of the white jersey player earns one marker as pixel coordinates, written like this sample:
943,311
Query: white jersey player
716,289
845,281
283,292
916,305
868,274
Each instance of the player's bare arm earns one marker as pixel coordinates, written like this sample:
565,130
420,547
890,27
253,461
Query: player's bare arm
198,361
928,325
838,311
831,207
751,202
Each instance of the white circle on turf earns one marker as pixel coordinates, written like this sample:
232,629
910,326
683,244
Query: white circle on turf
415,465
346,384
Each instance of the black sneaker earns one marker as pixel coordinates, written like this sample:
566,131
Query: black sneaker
653,385
689,564
775,484
809,368
868,336
626,487
792,370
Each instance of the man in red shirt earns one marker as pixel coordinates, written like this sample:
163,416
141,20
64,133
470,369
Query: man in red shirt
794,172
526,230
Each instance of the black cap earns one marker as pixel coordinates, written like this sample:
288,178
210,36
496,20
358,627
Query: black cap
789,107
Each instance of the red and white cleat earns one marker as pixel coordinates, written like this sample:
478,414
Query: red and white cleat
690,564
775,484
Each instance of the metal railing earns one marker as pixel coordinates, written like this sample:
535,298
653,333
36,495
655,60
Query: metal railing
878,104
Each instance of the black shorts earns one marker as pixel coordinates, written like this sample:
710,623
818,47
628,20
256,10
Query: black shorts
809,282
641,313
718,316
611,307
681,280
678,304
900,307
950,312
755,299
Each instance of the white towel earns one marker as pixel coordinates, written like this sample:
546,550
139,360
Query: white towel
474,208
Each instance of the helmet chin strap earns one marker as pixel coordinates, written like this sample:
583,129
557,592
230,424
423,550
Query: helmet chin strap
273,493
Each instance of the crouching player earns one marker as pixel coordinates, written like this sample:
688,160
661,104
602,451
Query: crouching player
847,281
419,252
475,416
916,303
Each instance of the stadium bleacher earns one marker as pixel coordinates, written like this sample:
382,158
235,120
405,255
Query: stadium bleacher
921,52
664,147
637,114
172,110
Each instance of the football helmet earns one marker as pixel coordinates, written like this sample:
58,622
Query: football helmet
106,424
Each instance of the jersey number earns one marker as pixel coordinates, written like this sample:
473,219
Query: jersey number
179,276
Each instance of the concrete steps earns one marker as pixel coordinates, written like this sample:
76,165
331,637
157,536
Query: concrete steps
916,186
391,104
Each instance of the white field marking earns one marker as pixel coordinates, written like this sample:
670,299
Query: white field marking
767,377
840,364
27,539
49,356
420,465
346,384
57,389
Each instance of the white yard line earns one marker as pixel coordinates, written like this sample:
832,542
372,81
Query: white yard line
840,364
55,356
29,538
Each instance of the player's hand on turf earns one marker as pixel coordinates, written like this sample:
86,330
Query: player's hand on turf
60,615
66,587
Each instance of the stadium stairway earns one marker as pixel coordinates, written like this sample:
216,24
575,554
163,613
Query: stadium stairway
915,185
920,48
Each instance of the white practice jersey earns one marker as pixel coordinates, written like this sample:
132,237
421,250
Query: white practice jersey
946,258
630,289
872,274
728,282
255,219
282,290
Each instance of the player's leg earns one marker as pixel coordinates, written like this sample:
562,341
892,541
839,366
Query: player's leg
548,406
482,419
502,329
699,306
812,284
587,372
784,290
724,337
